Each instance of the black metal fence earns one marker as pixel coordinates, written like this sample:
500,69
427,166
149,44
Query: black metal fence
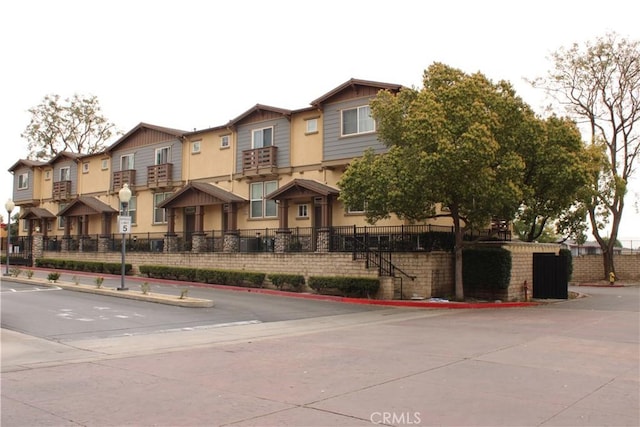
402,238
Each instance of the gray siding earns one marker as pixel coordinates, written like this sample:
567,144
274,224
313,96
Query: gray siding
336,147
146,156
281,139
73,173
27,193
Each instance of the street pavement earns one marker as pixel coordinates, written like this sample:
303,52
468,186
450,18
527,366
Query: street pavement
569,363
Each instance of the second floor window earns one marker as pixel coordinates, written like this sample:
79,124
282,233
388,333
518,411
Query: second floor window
163,155
132,207
262,137
260,207
357,120
65,174
225,141
159,214
23,181
126,162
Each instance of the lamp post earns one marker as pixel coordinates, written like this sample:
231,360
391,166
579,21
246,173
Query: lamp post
125,227
9,205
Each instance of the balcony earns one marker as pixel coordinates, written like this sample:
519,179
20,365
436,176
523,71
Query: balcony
260,160
124,177
62,191
159,176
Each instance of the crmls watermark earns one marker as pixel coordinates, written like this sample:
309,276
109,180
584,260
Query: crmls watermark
396,418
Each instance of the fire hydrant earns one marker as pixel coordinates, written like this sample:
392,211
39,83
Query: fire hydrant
612,278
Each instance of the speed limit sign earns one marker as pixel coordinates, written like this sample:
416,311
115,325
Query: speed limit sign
125,224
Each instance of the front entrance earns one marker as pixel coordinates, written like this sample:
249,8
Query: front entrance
550,276
189,226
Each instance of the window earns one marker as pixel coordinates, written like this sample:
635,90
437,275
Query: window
195,147
163,155
312,126
25,225
61,219
126,162
225,141
65,174
47,174
261,208
159,214
303,211
357,120
104,164
23,181
132,207
262,138
85,167
357,209
49,225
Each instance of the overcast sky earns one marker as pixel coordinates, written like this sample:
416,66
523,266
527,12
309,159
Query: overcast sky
196,64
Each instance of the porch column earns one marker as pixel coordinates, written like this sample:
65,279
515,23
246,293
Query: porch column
232,217
171,239
283,240
199,219
171,220
283,213
324,236
231,241
37,248
66,239
105,225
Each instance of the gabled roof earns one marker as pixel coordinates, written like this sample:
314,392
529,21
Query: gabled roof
173,132
300,186
26,162
352,83
84,205
211,194
64,154
258,108
36,213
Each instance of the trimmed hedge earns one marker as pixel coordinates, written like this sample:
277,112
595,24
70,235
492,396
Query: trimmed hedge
280,281
88,266
220,277
358,287
486,268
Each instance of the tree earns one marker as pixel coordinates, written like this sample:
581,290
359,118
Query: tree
74,125
452,143
599,84
558,167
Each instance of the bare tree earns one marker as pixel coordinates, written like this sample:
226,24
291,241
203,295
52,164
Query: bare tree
74,125
599,84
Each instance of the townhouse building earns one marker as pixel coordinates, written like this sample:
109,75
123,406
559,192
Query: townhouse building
266,180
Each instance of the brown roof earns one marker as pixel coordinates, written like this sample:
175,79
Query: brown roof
260,107
175,132
215,193
298,185
355,82
26,162
36,213
94,206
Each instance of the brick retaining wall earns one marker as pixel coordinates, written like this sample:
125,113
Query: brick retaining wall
590,268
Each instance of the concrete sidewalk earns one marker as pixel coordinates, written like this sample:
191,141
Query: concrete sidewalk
569,364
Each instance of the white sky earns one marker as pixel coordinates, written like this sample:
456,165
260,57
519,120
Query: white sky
196,64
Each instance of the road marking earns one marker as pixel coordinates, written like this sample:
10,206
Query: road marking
22,291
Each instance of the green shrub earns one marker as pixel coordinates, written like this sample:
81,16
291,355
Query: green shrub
280,281
359,287
567,254
486,268
53,277
220,277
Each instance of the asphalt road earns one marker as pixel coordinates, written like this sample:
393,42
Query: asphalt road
60,315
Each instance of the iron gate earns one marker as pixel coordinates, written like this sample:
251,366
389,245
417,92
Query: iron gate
21,251
550,276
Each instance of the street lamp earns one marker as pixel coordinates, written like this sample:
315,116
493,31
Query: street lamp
9,206
125,223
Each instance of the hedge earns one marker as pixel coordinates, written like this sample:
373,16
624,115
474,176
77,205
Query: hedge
486,268
220,277
88,266
280,281
358,287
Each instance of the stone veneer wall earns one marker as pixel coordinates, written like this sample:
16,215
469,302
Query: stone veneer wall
589,268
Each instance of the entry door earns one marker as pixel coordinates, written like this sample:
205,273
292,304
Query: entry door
189,225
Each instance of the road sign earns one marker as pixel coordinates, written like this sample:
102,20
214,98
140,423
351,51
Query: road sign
124,223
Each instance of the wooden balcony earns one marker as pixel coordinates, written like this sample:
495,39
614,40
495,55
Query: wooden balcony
260,160
62,191
124,177
159,176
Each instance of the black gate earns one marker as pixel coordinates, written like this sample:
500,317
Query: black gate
550,276
21,251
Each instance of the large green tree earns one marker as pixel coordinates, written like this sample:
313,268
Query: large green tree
74,124
557,167
599,85
453,142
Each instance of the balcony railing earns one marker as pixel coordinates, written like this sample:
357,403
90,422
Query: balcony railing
62,190
159,176
123,177
258,158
